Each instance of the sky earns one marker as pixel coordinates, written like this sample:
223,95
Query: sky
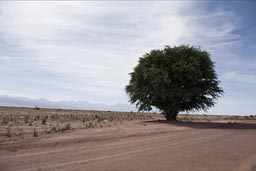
85,50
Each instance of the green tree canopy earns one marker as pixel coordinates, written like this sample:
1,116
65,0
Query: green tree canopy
175,79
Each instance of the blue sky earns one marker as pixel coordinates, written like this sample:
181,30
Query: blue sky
85,50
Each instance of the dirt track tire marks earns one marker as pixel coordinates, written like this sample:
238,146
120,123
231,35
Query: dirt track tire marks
196,149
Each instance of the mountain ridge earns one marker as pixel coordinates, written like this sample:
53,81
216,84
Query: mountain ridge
7,100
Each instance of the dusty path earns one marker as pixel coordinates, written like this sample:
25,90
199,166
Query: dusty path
190,149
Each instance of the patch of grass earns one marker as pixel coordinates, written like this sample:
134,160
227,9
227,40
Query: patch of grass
100,118
185,119
55,117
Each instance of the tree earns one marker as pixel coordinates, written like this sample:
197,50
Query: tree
175,79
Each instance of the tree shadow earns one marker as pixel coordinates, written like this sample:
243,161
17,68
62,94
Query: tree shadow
207,125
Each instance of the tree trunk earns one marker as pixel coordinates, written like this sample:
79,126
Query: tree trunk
171,115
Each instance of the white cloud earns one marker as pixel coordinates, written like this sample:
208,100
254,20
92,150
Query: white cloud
240,77
85,50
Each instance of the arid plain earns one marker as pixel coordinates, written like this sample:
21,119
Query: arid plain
58,139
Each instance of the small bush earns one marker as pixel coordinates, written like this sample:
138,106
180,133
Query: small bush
111,118
5,120
8,134
100,118
37,108
54,129
66,127
44,121
35,134
36,117
90,125
83,120
26,118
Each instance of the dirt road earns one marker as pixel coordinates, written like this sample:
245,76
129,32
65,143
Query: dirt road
186,149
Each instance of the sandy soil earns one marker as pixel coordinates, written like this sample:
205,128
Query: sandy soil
137,145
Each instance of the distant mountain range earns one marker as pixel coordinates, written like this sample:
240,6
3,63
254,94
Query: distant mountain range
6,100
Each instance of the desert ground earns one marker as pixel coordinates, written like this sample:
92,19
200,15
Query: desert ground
58,139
